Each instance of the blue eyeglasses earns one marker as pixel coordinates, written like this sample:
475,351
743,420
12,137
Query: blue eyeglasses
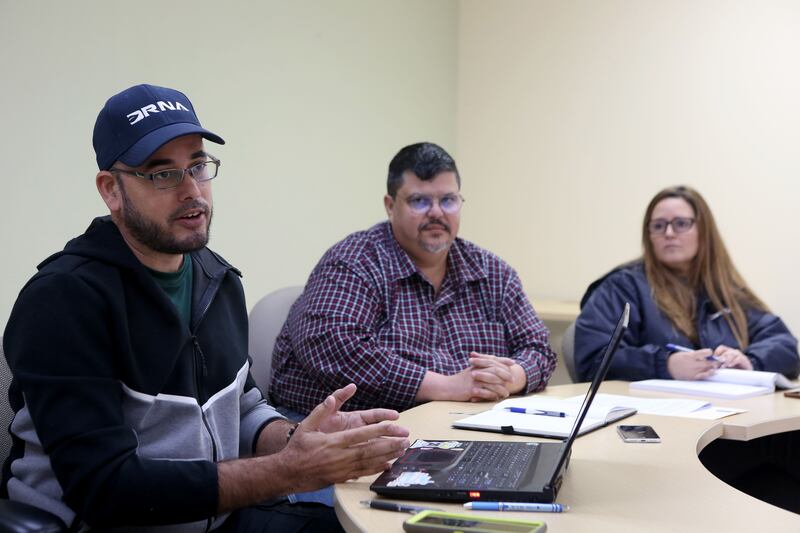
449,203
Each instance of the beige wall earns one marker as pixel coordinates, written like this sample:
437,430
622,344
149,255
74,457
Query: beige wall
572,114
313,97
565,117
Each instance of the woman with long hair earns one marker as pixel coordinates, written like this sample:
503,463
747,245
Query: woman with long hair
684,292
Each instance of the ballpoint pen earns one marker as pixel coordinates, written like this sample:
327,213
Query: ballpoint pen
679,348
395,506
541,412
517,506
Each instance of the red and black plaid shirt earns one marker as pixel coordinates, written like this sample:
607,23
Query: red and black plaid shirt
368,316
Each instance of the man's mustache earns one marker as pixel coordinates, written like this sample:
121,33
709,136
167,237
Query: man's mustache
194,204
437,222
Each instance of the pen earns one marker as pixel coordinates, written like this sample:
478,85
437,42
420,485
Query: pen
395,506
517,506
679,348
541,412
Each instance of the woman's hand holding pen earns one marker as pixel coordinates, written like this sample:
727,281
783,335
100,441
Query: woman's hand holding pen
691,365
686,363
732,358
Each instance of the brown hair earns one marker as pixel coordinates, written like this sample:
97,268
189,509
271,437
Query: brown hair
711,271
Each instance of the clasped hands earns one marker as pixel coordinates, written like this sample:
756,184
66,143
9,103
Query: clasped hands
489,378
700,364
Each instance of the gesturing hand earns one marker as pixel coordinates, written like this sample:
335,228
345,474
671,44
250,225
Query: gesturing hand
333,447
342,420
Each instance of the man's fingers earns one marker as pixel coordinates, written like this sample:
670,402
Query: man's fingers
479,359
343,394
489,392
373,456
341,464
494,374
352,437
329,406
477,362
322,411
373,416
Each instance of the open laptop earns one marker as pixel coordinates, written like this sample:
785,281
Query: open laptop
449,470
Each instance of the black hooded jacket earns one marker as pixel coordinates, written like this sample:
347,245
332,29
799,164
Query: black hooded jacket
121,410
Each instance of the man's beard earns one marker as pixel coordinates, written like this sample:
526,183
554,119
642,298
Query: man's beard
151,234
438,247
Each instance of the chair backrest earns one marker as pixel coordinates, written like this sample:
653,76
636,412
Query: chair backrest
568,352
265,321
6,414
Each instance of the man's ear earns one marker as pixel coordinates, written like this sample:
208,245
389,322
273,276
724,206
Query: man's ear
109,191
388,203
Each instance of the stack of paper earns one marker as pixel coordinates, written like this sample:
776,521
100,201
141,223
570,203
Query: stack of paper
724,383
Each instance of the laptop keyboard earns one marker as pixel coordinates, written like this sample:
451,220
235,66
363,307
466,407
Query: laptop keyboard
493,465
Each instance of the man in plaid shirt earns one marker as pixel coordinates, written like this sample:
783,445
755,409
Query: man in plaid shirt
408,311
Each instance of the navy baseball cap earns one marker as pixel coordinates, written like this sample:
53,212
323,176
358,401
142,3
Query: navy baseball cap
138,121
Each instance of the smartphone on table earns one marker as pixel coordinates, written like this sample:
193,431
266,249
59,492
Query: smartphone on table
441,522
639,433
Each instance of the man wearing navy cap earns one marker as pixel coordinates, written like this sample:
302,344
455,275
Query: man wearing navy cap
133,400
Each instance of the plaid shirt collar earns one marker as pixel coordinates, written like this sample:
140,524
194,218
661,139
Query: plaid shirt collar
462,267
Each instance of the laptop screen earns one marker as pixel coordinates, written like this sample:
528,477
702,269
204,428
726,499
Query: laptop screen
622,325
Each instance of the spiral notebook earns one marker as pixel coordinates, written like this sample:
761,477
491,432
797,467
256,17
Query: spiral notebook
542,417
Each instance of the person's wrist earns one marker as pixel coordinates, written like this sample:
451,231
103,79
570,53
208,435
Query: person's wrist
433,387
519,379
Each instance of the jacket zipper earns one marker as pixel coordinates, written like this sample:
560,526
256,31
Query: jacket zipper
199,360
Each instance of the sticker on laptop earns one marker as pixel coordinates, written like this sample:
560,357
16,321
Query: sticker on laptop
439,445
408,479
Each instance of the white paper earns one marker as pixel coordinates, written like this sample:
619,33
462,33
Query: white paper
713,412
702,388
648,406
751,377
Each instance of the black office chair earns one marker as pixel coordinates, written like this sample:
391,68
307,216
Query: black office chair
17,517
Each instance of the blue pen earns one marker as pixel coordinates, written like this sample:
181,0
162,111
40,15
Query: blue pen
679,348
517,506
541,412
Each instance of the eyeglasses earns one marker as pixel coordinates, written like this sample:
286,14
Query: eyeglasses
172,177
679,225
449,203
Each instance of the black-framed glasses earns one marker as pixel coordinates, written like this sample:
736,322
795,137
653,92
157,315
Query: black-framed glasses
679,225
449,203
172,177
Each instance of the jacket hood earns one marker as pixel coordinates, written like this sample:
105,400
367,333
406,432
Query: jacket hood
636,263
101,241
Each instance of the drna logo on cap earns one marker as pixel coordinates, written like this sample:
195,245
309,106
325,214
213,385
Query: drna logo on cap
135,123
